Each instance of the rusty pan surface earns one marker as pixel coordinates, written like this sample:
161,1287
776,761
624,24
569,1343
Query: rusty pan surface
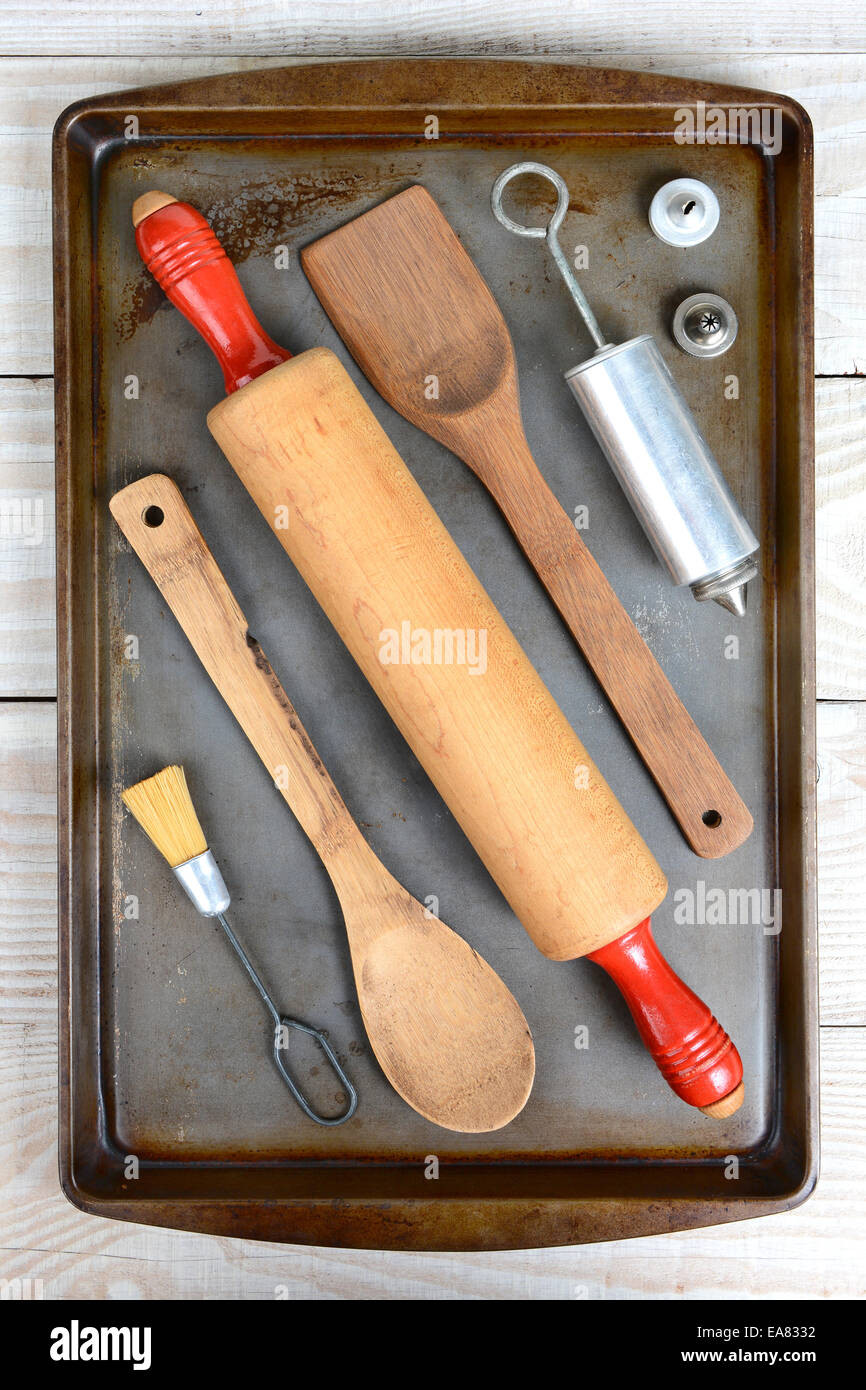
165,1048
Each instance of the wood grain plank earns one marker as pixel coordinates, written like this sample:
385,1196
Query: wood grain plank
442,27
28,846
840,308
27,636
842,861
34,92
840,538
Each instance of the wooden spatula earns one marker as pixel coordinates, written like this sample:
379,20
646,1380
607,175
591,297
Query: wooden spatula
449,1036
411,305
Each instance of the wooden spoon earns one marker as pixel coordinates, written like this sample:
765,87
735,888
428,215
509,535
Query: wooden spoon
411,305
449,1036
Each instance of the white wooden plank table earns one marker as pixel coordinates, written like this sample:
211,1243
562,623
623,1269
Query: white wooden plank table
812,52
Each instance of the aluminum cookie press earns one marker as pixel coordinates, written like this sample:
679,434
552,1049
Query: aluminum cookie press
651,439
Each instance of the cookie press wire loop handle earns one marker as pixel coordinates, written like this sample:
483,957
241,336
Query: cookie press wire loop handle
549,233
280,1022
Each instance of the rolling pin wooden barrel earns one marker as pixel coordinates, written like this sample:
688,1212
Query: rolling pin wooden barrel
438,654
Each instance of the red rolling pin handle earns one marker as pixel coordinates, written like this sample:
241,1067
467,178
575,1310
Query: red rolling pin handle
692,1051
181,251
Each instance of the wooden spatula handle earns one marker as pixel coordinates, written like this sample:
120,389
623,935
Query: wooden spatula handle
179,248
701,797
156,521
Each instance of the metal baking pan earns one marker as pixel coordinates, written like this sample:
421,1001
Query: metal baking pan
164,1056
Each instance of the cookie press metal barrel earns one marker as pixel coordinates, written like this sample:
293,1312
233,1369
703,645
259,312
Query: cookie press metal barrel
652,442
664,465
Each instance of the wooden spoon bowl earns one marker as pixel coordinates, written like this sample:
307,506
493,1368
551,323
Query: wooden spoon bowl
448,1034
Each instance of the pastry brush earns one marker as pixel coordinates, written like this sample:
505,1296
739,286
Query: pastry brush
163,807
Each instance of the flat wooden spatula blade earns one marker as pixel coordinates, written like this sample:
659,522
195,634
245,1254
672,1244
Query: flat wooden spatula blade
411,305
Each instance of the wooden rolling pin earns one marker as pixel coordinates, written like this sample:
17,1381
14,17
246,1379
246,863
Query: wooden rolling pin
439,655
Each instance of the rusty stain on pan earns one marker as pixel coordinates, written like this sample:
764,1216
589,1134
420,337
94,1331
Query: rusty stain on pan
252,219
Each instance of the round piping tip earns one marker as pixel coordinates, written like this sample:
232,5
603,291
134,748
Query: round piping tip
684,212
734,600
728,588
705,325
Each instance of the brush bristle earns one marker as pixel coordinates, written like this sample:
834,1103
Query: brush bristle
163,808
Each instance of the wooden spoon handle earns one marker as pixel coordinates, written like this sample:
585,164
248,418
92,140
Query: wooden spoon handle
156,521
690,1048
701,797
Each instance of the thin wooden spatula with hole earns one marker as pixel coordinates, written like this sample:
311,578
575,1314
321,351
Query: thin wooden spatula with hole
410,304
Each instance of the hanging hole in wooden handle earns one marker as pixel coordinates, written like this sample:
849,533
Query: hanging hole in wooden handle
712,819
153,516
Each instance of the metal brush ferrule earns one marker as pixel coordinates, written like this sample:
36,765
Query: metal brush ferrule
203,884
